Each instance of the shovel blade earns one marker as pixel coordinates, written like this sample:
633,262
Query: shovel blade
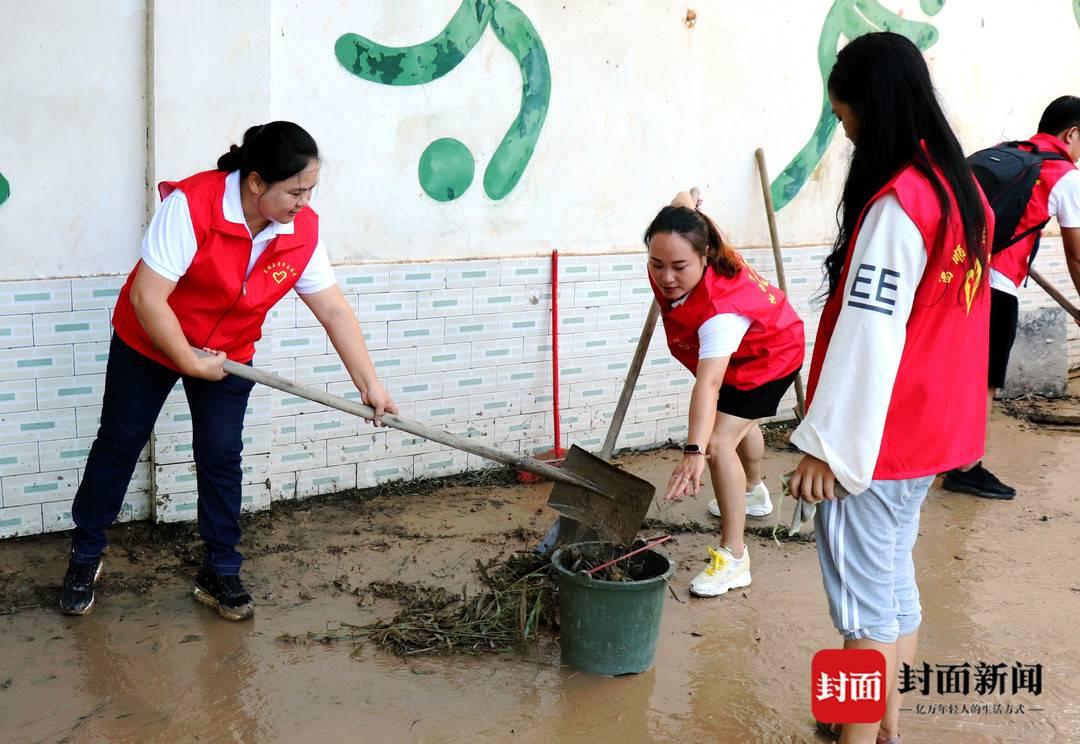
615,510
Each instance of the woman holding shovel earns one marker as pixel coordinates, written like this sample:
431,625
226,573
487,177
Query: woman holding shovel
896,382
744,343
224,246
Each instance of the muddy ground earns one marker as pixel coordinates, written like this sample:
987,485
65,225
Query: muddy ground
1000,583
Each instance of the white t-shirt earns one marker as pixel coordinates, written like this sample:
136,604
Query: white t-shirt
845,424
169,244
720,335
1063,203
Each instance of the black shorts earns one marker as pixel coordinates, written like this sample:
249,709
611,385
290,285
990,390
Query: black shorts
1004,312
756,403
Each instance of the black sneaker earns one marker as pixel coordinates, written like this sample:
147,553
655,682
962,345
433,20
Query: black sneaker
226,594
978,481
77,594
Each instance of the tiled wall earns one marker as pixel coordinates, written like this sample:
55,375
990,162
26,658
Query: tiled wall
464,345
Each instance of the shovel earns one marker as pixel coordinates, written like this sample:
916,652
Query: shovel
588,489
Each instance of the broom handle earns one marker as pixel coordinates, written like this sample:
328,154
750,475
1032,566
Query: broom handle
631,381
520,462
781,279
1051,290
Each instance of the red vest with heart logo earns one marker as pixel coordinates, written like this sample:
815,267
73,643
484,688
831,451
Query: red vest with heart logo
218,306
1013,261
773,346
936,418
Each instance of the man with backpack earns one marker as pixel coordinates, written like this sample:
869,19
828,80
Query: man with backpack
1027,183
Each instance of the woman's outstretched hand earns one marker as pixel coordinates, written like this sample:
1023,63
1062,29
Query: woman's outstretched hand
686,478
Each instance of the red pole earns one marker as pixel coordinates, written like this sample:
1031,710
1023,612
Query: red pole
555,351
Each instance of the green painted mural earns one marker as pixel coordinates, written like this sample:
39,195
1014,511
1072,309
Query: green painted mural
447,166
5,189
848,19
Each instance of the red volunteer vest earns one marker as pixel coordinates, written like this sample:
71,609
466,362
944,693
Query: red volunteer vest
1013,261
216,306
937,414
773,346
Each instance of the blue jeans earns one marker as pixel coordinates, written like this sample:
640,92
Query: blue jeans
135,390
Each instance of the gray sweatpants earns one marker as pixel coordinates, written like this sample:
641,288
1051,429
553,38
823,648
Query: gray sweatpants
864,544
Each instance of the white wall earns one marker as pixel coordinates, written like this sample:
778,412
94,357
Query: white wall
641,105
72,136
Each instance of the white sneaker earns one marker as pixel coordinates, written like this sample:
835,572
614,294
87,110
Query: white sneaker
725,572
758,503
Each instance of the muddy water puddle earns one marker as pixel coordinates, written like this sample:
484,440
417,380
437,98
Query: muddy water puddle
1000,584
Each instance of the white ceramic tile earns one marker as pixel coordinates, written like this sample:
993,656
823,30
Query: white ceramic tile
402,444
283,313
470,381
416,276
18,395
444,303
257,439
521,376
420,387
380,471
327,425
592,294
375,334
495,405
38,426
326,480
620,316
97,293
627,266
16,330
472,273
396,362
635,290
19,459
64,454
538,349
282,430
319,370
578,268
637,436
672,429
254,497
364,448
37,488
286,404
291,458
612,367
395,306
440,464
444,358
498,299
36,296
443,411
65,392
475,328
71,328
493,352
524,271
516,428
91,358
570,420
405,333
36,362
20,521
298,342
363,278
575,320
531,323
56,516
87,422
581,369
592,394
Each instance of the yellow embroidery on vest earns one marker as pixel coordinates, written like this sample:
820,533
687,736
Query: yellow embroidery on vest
971,284
946,277
958,255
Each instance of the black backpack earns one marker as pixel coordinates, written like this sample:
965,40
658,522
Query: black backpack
1007,174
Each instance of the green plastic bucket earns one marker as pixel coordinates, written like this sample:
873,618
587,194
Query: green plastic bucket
610,627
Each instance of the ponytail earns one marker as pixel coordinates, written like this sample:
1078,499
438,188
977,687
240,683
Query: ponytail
276,151
701,232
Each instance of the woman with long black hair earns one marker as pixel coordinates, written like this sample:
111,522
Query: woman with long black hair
896,380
